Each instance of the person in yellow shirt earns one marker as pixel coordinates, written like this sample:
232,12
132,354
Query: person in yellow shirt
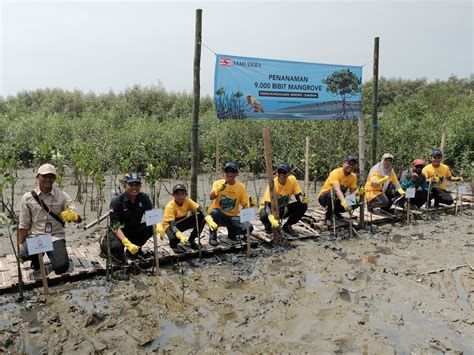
436,174
180,215
382,185
285,185
339,181
228,196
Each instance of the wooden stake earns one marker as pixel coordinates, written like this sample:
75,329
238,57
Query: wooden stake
306,168
218,153
196,102
248,239
443,145
408,211
269,165
333,212
43,273
375,81
350,224
457,198
155,250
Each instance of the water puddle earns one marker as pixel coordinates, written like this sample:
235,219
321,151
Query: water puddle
88,299
171,330
415,330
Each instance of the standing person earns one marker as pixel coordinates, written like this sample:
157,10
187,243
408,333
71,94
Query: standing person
382,184
126,212
436,173
413,178
44,211
180,215
285,185
228,196
339,181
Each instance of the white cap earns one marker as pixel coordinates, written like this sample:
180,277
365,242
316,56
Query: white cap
46,169
387,156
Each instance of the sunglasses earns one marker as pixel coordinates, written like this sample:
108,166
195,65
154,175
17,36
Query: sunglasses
282,172
233,171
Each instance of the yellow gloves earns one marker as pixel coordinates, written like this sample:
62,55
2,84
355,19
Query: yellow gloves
360,191
344,204
457,179
210,222
382,180
434,179
273,221
160,230
401,191
181,237
252,202
69,215
304,200
132,248
219,188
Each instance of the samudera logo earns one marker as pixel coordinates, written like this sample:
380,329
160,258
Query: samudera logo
227,62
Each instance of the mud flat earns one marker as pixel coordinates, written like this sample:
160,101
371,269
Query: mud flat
380,293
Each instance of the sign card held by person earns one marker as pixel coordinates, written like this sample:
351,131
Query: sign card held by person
39,244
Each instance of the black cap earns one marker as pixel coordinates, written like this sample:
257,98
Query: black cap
284,166
351,158
132,177
436,153
178,187
231,165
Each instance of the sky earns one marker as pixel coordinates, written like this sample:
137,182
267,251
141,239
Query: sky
108,45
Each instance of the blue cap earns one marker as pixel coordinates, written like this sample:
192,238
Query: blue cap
132,177
231,165
351,157
436,153
284,166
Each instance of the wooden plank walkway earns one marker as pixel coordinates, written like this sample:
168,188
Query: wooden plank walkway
85,261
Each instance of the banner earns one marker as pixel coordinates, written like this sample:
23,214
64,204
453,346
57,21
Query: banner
256,88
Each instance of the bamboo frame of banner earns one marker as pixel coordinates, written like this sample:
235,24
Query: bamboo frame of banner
269,166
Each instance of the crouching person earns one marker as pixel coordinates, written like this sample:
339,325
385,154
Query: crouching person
126,229
413,178
44,211
180,215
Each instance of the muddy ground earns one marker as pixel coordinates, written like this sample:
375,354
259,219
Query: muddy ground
367,295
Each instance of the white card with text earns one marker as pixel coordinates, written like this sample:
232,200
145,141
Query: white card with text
410,192
153,216
462,190
247,215
39,244
351,200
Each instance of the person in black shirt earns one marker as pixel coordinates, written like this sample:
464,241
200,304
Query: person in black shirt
125,212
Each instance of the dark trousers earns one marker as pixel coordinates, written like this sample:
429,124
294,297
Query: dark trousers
441,196
419,200
325,201
138,236
58,257
234,227
185,224
384,200
294,211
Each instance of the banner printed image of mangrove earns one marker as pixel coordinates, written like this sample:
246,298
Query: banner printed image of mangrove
230,106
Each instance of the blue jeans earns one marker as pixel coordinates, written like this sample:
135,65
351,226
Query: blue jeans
234,227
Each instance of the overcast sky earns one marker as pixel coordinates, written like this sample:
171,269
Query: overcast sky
98,46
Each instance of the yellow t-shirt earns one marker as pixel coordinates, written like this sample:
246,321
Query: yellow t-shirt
174,212
283,192
443,172
372,191
231,198
337,176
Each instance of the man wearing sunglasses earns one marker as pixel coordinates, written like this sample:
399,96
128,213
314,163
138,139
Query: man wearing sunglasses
285,185
228,196
413,178
336,185
126,212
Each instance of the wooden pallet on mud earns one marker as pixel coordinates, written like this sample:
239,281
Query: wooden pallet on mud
85,261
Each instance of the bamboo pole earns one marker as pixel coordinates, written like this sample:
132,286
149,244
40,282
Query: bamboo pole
306,168
218,153
374,101
195,113
442,146
269,165
43,273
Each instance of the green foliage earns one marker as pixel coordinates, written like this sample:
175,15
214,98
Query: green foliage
148,130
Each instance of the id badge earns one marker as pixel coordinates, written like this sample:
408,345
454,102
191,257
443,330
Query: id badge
48,228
